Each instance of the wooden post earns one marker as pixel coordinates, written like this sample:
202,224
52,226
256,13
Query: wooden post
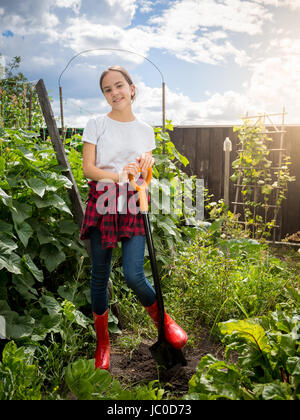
163,107
227,147
30,108
77,207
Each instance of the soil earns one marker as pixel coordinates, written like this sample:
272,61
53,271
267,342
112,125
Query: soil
139,366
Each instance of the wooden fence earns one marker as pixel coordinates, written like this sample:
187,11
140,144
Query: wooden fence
203,147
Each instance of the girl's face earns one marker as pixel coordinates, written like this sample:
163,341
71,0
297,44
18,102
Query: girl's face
117,90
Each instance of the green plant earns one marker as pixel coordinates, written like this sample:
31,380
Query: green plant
268,364
216,279
87,384
19,104
19,375
254,176
37,233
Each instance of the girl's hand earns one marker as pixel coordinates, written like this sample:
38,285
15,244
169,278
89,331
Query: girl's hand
145,161
131,168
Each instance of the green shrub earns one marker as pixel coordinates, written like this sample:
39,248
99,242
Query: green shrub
87,383
217,279
268,365
19,375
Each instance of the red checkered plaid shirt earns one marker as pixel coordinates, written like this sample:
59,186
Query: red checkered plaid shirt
101,211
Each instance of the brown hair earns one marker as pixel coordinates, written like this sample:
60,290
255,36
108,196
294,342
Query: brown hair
120,70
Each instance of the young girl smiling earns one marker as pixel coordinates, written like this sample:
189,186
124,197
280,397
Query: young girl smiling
115,146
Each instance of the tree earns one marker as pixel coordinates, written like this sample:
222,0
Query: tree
18,99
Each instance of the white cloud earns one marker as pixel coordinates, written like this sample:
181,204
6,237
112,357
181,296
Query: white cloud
72,4
275,83
218,108
186,30
146,6
28,17
188,16
43,61
292,4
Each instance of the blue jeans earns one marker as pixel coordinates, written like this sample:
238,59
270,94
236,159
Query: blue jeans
133,251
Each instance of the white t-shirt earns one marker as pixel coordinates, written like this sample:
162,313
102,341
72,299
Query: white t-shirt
118,143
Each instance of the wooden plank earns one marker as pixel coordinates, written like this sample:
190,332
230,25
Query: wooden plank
291,206
216,168
190,140
202,163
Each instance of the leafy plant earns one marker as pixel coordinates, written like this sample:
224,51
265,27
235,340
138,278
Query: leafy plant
18,99
254,175
19,376
217,279
268,365
37,233
87,383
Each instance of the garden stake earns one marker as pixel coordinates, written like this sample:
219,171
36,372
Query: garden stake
165,355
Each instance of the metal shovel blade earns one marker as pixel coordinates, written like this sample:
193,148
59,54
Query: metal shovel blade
166,356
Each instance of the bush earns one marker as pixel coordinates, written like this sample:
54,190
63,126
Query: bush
217,279
268,365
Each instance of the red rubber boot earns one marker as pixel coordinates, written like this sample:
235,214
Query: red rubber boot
174,334
102,354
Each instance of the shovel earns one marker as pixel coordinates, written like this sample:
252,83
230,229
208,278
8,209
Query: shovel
165,355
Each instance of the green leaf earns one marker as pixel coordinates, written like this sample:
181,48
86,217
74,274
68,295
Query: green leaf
38,274
23,284
7,245
44,236
67,226
84,381
6,227
22,212
276,391
24,232
46,325
52,200
293,365
70,292
52,256
56,181
37,185
27,153
2,165
252,332
6,199
11,263
51,304
20,326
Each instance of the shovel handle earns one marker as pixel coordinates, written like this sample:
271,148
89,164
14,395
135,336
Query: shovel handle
142,189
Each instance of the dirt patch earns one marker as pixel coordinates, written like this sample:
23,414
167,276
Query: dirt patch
141,368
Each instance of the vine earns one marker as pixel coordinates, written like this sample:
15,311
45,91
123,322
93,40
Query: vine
258,181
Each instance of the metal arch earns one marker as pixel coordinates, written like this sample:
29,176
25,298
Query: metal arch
112,49
109,49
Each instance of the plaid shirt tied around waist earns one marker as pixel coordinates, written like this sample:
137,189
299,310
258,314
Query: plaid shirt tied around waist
102,212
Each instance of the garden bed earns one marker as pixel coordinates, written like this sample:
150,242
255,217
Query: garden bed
136,367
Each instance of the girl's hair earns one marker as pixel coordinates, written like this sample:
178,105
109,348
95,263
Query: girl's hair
123,72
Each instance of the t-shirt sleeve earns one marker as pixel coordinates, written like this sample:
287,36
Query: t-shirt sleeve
90,132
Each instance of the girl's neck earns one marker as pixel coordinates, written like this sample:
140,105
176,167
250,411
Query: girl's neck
126,116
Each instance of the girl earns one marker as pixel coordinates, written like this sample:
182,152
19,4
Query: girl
115,146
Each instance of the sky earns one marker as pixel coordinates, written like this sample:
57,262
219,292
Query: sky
220,59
